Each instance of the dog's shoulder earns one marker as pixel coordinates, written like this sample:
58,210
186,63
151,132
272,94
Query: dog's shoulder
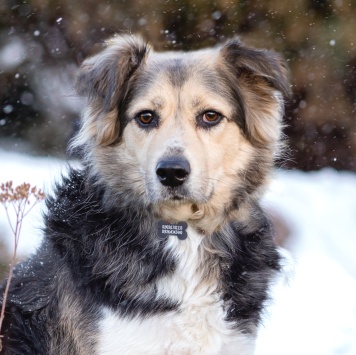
29,295
32,299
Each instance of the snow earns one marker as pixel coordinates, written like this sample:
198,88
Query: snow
314,303
314,310
12,54
38,171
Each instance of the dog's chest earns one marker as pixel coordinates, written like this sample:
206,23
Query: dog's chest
197,327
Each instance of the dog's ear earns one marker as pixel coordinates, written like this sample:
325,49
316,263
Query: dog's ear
103,79
261,79
103,76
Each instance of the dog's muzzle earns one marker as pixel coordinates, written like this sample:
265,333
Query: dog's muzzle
173,171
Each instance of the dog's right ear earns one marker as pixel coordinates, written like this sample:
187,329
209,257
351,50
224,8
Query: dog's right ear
103,80
103,76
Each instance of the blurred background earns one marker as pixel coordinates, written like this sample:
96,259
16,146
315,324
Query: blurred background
43,41
312,200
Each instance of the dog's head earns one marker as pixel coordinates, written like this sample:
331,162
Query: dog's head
184,132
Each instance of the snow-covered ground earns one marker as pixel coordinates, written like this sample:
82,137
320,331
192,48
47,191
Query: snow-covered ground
314,308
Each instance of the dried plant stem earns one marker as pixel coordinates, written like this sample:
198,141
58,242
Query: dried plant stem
19,199
16,232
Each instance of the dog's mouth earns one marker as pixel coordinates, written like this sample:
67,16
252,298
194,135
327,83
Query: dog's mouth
183,195
178,195
177,198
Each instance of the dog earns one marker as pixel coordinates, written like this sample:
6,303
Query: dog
158,243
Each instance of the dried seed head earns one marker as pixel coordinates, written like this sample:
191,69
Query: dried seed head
21,192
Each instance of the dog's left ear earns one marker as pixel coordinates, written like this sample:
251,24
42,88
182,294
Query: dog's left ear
103,79
261,79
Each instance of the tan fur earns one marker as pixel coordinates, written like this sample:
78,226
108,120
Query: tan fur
101,126
229,164
220,157
263,109
73,334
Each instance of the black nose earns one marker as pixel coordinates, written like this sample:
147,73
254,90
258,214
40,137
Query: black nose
173,171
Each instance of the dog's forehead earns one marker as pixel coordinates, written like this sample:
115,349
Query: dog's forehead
166,72
178,67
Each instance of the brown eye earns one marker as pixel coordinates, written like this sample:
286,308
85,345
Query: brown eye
211,117
145,117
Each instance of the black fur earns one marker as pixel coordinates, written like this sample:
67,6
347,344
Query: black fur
26,315
248,270
113,258
134,253
101,246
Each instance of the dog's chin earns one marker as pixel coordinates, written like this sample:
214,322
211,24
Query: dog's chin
180,197
178,205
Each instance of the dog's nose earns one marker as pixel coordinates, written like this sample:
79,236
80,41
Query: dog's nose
173,172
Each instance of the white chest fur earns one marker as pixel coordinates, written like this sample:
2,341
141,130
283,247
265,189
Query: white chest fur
197,328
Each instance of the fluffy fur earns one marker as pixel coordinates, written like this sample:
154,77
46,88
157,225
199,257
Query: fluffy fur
103,281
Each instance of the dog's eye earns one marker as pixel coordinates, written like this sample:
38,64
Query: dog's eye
211,117
146,119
